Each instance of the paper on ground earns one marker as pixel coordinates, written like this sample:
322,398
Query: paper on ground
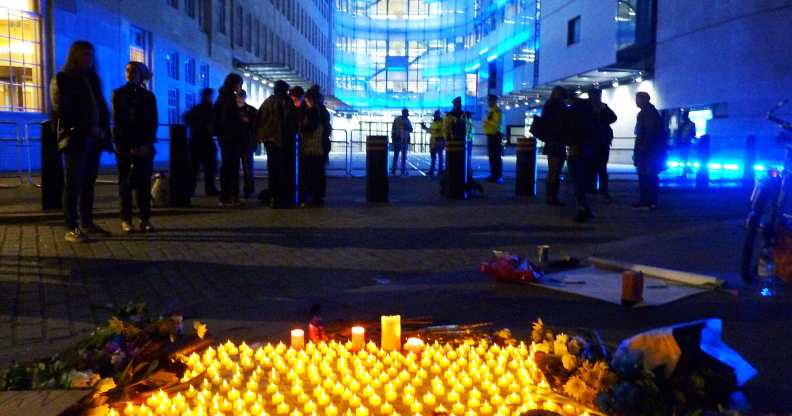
677,276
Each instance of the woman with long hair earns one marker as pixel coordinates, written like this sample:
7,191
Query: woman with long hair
83,127
134,133
232,136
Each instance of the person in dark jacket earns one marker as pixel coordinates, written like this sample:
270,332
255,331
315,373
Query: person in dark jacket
598,169
203,151
270,130
650,151
311,152
327,133
231,133
554,148
134,133
288,197
83,126
580,130
248,115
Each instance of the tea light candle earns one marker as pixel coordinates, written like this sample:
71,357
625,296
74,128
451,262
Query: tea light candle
391,333
297,339
358,338
414,345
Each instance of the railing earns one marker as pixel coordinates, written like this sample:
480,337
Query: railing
17,142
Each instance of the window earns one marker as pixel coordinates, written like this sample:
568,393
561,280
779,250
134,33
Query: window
173,106
573,31
205,76
249,33
173,3
189,70
238,29
20,59
258,38
202,14
189,100
172,65
139,45
221,16
189,6
626,23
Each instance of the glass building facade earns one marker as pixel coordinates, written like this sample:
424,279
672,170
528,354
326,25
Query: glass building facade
421,53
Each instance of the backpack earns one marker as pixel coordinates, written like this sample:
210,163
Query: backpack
160,191
269,119
537,128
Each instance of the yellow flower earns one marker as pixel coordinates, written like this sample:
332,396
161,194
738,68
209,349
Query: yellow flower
200,329
560,344
115,325
104,385
569,361
575,388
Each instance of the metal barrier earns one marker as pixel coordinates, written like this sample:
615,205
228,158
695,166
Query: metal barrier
16,141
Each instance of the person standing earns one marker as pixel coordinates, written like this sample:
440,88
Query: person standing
685,134
492,129
203,151
134,133
231,134
83,128
649,151
327,132
436,143
289,174
311,152
249,143
604,117
581,133
555,149
400,136
270,129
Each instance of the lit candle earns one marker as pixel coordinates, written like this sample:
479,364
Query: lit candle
297,339
415,345
391,333
358,338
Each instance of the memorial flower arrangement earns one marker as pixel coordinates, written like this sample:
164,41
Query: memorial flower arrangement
128,348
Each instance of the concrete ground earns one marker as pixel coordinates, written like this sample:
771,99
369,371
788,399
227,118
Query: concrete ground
253,273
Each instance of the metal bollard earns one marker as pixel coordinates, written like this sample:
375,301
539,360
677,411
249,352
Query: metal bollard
51,169
749,175
525,183
703,150
456,170
377,187
180,180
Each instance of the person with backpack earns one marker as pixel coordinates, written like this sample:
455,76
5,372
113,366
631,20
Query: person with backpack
492,129
270,130
134,133
400,139
551,133
231,133
650,151
83,131
604,117
311,152
203,151
436,143
248,119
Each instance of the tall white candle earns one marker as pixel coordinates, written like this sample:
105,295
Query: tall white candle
391,333
358,338
297,338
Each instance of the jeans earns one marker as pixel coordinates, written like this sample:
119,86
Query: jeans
312,178
495,153
80,172
400,147
248,172
203,152
230,154
287,174
577,172
555,166
135,173
599,168
649,186
437,156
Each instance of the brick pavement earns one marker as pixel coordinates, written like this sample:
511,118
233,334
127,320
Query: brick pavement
253,272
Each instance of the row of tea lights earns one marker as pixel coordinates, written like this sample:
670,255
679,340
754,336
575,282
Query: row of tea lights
359,379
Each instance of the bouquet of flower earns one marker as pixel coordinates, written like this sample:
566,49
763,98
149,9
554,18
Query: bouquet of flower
507,267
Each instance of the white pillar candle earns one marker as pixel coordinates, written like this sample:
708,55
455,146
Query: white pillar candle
297,338
414,345
391,333
358,338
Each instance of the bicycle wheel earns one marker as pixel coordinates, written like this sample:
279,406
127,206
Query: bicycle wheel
753,247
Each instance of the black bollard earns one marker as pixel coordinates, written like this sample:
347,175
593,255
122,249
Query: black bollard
51,169
456,170
377,187
525,182
703,150
749,175
180,180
